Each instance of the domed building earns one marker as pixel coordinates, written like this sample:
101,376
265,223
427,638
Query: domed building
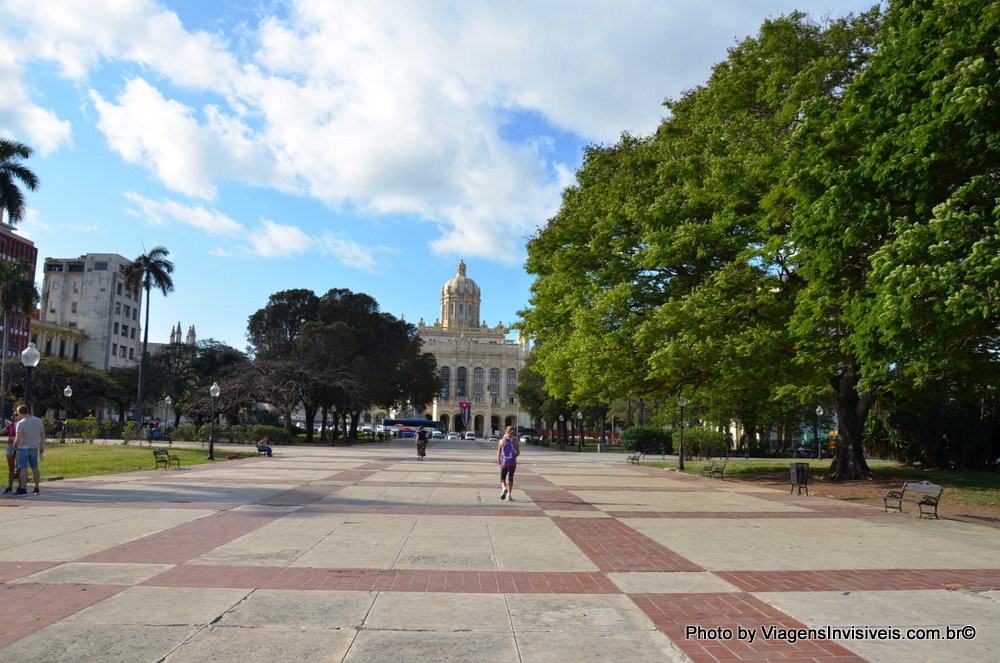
478,365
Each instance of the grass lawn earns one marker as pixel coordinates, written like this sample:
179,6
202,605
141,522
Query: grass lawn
975,488
71,461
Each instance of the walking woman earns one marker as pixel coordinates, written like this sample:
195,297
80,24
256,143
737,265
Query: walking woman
11,455
421,443
508,450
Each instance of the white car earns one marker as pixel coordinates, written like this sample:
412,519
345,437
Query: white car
470,435
494,438
437,435
453,435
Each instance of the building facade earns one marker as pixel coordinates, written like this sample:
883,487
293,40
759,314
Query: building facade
478,365
15,247
89,294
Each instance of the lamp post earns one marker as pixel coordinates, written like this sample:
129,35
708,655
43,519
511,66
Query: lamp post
214,391
819,448
67,392
562,426
681,402
579,418
30,358
169,401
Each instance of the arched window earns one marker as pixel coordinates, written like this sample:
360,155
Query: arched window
511,385
495,386
477,385
461,383
445,383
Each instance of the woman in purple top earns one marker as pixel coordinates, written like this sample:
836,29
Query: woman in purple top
507,452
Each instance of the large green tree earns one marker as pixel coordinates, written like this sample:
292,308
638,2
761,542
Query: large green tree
18,294
148,271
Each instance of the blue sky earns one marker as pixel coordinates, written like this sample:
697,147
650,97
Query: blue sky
367,145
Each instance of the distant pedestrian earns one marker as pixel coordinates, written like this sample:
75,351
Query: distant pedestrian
508,449
262,446
421,443
30,445
11,431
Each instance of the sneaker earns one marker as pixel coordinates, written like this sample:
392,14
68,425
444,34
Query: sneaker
7,490
20,492
503,494
510,498
35,492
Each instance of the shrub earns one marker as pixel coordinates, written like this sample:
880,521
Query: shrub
705,442
648,440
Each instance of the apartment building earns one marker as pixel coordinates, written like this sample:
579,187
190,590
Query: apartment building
89,294
15,247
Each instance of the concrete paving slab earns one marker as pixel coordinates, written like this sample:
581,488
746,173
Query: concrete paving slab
700,501
534,544
362,541
227,643
95,643
578,613
614,482
301,609
424,646
903,610
90,573
278,543
162,606
596,647
682,582
430,611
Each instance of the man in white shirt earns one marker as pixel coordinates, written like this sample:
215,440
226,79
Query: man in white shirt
29,444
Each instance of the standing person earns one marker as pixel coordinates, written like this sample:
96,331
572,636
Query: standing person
421,443
30,444
508,450
11,430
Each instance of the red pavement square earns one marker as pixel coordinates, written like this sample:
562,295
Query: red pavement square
616,547
26,608
862,580
716,627
14,570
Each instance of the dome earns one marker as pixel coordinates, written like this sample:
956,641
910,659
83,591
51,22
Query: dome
460,284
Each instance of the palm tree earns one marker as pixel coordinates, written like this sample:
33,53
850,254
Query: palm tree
11,199
147,271
17,293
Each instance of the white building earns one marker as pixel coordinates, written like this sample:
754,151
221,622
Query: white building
477,363
88,293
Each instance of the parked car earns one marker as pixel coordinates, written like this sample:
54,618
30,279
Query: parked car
525,439
494,438
452,435
802,452
470,435
437,435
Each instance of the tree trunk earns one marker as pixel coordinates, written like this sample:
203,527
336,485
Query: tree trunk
852,411
142,363
310,418
3,369
322,428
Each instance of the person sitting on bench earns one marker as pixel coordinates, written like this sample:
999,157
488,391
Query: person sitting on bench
262,446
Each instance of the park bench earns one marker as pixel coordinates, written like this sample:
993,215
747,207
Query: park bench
164,458
930,495
716,469
634,457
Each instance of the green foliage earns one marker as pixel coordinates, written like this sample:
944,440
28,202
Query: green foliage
647,439
705,442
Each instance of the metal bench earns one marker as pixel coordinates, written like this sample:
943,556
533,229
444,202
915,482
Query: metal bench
930,495
716,469
164,458
634,458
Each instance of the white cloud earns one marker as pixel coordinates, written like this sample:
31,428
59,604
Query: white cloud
31,225
387,105
210,220
277,240
353,254
43,127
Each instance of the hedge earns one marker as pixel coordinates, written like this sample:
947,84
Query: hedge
648,440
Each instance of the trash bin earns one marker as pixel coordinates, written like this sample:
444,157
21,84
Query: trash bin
800,477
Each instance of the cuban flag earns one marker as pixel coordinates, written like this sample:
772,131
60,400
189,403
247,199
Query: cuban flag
466,407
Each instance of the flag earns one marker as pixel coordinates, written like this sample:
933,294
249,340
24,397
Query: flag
466,407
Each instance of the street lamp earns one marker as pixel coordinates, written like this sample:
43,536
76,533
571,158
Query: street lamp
819,449
169,401
579,418
67,392
214,391
562,426
681,402
30,358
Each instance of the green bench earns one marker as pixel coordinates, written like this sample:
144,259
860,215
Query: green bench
164,458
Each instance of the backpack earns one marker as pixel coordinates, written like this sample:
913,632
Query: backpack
508,454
